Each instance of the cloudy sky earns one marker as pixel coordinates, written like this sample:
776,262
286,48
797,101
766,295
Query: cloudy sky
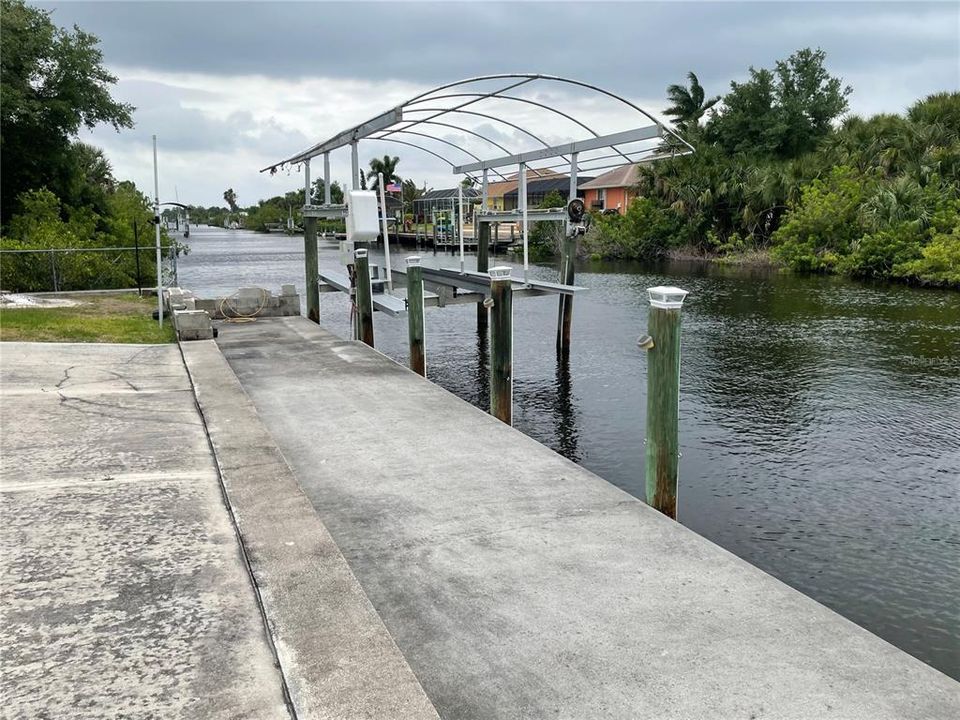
232,87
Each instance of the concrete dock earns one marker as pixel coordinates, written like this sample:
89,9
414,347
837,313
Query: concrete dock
519,585
126,590
283,524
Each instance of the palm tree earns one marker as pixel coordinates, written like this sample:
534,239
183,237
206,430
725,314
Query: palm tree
689,105
231,197
388,166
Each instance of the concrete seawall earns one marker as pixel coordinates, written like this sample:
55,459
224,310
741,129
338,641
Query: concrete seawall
519,585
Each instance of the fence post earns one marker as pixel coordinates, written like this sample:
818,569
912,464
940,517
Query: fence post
53,270
501,344
663,398
364,297
483,265
136,252
418,357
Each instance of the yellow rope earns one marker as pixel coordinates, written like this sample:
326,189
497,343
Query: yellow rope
237,316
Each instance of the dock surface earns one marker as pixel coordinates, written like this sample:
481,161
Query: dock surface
124,588
519,585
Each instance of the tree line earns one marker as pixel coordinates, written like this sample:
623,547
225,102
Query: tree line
269,213
781,173
55,191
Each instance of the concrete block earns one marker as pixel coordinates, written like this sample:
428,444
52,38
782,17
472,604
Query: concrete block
208,305
289,305
250,294
288,290
193,325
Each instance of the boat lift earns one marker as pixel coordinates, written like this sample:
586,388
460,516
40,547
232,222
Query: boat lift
430,116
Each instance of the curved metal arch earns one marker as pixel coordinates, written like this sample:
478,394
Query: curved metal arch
489,117
517,80
523,100
535,171
467,130
495,118
419,147
530,77
431,137
529,102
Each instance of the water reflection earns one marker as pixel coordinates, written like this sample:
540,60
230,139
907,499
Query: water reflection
564,414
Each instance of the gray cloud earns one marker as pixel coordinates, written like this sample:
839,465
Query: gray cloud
635,48
224,84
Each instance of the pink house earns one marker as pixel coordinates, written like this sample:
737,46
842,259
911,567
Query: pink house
611,191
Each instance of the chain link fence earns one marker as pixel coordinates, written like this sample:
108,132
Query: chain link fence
86,268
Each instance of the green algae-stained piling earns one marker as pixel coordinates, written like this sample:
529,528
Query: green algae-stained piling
565,315
418,357
311,257
311,260
483,265
364,298
501,344
663,398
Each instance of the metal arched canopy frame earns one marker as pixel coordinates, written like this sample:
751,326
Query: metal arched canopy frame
424,119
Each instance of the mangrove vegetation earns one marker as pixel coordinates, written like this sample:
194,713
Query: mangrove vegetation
781,174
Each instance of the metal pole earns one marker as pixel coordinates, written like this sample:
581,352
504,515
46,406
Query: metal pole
326,178
484,189
523,199
501,344
364,296
386,234
418,355
573,184
355,164
311,254
460,221
663,398
53,271
136,253
156,217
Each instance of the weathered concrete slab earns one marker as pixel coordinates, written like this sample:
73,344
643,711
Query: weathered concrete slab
519,585
339,660
124,590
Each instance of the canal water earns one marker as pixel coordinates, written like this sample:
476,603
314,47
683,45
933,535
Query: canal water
820,418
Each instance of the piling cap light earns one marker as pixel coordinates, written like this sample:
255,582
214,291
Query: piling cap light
360,253
413,260
500,272
670,298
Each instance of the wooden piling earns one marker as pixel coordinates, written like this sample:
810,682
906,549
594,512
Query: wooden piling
483,265
418,357
565,313
364,297
663,398
311,261
501,344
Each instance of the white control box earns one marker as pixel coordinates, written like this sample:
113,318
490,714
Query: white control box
363,216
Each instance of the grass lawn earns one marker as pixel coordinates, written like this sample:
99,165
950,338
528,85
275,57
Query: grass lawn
100,318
